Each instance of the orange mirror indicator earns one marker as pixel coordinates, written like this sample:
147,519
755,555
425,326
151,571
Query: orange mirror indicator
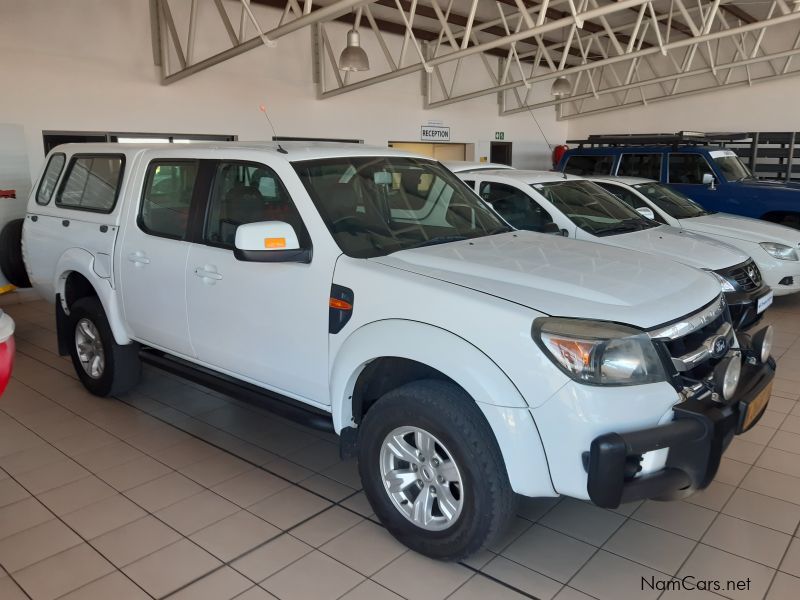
272,243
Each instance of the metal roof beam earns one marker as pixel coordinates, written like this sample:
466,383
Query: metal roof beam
683,43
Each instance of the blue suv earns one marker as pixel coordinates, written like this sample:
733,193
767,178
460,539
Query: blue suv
709,174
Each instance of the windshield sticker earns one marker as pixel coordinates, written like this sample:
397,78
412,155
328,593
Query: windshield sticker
720,153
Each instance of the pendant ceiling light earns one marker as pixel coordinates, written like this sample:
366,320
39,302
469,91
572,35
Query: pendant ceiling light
353,57
561,87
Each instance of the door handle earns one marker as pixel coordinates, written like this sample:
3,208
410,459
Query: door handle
208,274
138,258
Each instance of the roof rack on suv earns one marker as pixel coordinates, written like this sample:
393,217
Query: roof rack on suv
660,139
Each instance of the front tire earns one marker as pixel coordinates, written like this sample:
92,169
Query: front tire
104,367
432,470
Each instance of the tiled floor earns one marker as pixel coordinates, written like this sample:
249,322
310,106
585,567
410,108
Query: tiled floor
175,491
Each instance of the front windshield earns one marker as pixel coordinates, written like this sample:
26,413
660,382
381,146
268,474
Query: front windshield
732,168
376,205
592,208
672,202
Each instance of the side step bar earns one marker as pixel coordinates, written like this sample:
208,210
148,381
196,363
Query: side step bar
282,406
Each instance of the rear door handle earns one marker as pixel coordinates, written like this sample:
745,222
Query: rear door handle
138,258
208,274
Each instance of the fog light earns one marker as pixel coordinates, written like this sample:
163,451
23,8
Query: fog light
762,343
726,376
786,281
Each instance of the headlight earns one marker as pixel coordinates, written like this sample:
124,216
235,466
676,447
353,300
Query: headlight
762,343
597,352
726,376
725,284
779,251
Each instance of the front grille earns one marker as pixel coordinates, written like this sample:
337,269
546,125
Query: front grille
692,342
688,335
746,275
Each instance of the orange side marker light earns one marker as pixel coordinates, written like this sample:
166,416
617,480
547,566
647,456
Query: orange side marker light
272,243
339,304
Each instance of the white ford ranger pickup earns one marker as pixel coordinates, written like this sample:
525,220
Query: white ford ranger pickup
370,292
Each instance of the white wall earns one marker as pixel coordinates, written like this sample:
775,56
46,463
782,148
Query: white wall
86,65
765,106
768,106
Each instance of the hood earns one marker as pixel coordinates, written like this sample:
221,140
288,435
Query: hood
565,277
685,247
771,184
742,228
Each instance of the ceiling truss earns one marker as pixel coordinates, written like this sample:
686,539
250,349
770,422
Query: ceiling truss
615,53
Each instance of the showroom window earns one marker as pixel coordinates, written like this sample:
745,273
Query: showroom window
50,178
248,193
515,206
167,198
647,166
688,168
589,165
92,182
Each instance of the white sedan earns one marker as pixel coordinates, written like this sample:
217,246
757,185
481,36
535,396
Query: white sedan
774,248
551,202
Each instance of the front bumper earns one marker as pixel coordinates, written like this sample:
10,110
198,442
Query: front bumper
696,439
743,307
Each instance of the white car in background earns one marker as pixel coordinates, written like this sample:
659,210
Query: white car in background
774,248
466,166
552,202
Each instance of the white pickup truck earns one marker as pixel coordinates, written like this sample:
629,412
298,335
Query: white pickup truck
370,292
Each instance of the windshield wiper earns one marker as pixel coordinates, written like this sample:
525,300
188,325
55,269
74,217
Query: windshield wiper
441,239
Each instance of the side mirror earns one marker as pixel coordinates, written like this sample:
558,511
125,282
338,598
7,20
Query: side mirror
646,212
269,241
551,228
708,179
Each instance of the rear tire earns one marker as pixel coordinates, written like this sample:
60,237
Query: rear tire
11,263
465,499
104,367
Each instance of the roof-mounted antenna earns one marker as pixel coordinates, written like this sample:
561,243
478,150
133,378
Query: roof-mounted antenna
263,109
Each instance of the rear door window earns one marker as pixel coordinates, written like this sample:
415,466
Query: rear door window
589,164
647,166
688,168
92,182
168,191
50,178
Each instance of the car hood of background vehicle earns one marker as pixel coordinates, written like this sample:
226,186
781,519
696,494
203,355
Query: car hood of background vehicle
742,228
685,247
565,277
771,184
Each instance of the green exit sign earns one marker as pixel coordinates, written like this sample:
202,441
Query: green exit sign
499,135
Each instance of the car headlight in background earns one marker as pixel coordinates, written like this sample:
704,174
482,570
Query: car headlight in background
779,251
725,284
597,352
